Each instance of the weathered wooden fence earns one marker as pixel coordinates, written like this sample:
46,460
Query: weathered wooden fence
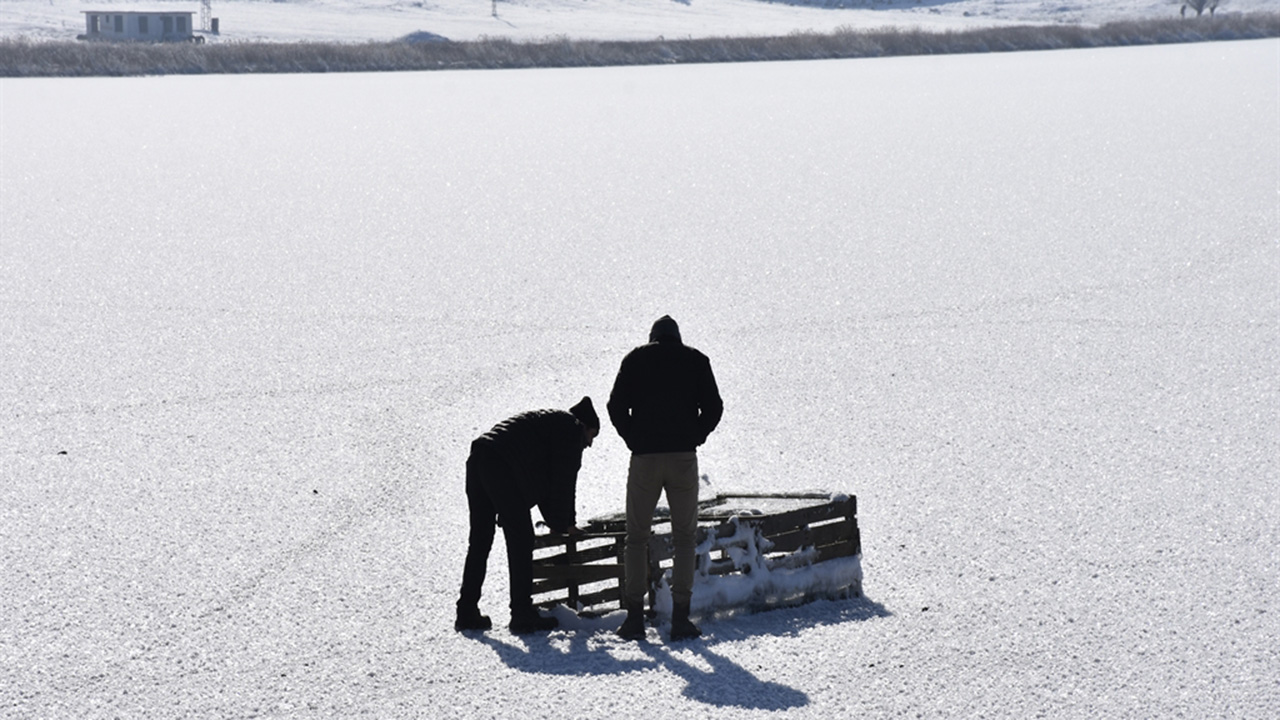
797,529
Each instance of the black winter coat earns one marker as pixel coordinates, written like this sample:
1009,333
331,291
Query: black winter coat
544,450
665,398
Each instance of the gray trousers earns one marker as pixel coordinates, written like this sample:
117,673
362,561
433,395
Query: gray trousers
647,478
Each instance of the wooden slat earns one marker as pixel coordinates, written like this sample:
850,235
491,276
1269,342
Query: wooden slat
815,536
775,524
553,540
721,567
768,496
832,532
612,596
844,549
616,522
777,528
580,555
561,588
609,525
582,574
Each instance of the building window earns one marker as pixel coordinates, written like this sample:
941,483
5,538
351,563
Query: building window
142,25
182,25
119,23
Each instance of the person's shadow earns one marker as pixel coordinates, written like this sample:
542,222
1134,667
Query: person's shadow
589,648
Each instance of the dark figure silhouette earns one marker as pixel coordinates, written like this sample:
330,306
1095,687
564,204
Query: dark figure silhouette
664,404
530,459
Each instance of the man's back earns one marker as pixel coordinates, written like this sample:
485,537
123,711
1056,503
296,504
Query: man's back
665,398
544,450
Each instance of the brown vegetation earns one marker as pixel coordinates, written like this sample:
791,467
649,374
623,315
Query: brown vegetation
24,58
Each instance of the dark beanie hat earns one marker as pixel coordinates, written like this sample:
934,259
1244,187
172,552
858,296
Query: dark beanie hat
586,413
665,327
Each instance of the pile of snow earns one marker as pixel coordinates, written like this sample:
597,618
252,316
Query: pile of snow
759,581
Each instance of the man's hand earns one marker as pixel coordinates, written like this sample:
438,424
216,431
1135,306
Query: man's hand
571,531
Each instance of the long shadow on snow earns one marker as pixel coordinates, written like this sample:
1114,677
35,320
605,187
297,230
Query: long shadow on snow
592,647
727,684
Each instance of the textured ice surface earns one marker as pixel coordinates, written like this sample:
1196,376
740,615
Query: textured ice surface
1023,306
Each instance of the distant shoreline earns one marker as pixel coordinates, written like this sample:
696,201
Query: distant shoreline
24,58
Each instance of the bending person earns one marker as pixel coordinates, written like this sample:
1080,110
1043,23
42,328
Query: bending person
527,460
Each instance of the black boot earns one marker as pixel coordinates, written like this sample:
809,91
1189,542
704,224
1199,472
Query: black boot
469,618
528,620
633,627
681,627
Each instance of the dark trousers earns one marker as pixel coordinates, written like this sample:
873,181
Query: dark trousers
492,493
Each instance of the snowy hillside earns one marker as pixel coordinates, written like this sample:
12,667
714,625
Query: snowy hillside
360,20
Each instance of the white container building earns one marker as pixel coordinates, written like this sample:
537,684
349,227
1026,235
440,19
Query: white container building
139,25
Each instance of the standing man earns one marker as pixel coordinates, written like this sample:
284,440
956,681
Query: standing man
664,404
530,459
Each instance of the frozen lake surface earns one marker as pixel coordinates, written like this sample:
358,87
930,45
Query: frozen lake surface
1024,306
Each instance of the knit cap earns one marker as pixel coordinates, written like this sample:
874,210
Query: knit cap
586,413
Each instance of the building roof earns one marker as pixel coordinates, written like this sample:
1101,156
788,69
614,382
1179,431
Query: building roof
134,10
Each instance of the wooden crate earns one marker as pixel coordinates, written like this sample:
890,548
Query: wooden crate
798,529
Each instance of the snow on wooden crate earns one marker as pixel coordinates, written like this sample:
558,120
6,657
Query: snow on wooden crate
752,550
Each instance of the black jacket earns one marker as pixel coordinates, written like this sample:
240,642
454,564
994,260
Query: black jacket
665,398
544,450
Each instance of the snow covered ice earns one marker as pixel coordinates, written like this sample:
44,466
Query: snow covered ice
1024,306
